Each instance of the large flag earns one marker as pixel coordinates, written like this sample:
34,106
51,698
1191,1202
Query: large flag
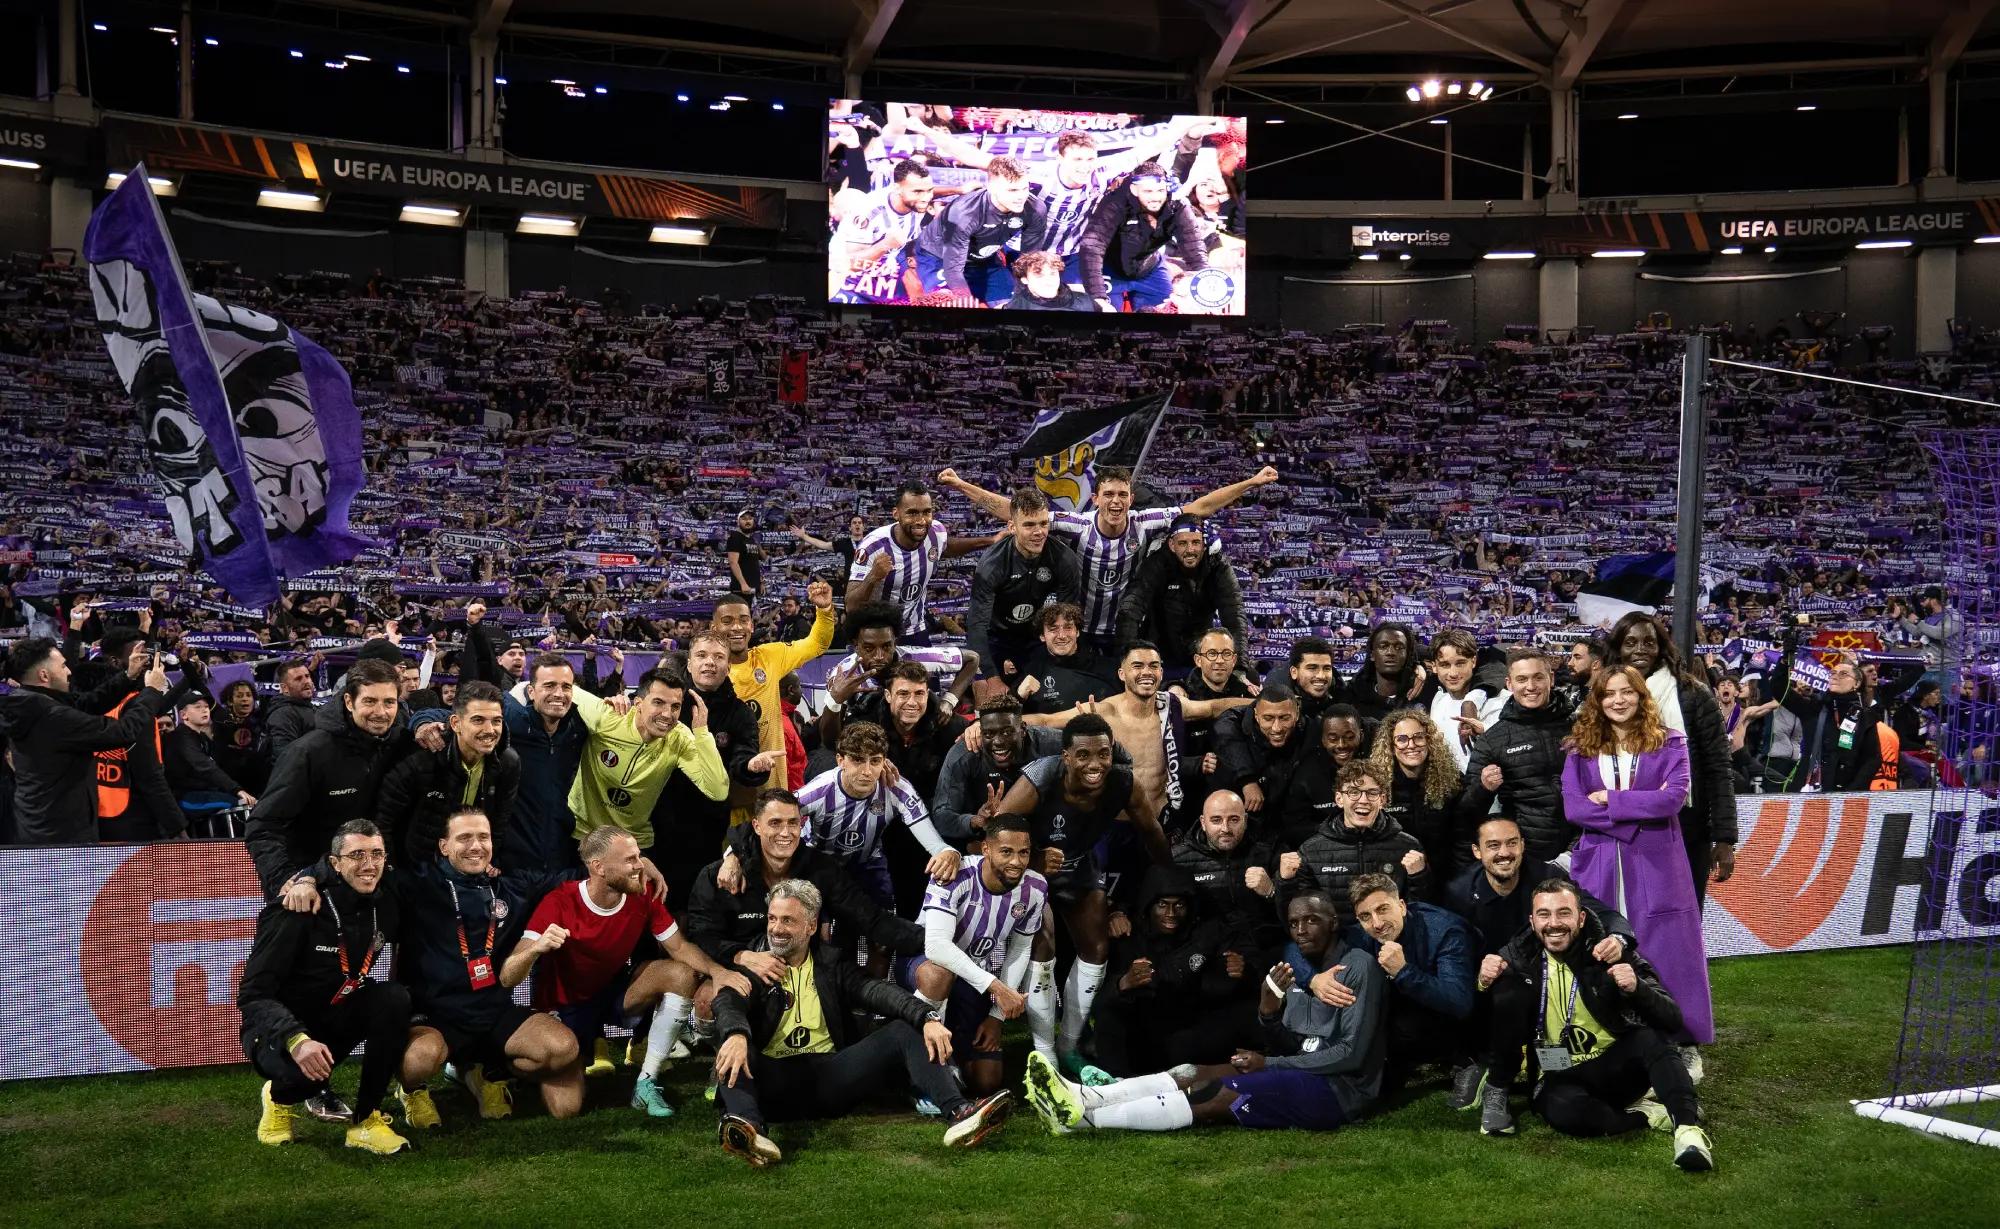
1068,445
794,376
1626,583
252,428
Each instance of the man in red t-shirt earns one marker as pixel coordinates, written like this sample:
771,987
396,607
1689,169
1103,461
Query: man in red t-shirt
588,929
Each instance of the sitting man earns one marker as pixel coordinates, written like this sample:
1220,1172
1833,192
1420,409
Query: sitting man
1324,1070
1173,991
585,931
1599,1033
979,931
789,1049
307,999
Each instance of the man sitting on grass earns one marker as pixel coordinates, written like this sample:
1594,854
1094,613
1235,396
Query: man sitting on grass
1324,1071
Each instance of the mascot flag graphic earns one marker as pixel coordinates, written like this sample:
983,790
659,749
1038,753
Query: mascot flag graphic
252,428
1069,445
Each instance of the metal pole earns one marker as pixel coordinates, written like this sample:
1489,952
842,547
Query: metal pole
187,60
1693,464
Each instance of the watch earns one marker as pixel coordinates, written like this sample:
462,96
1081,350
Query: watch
934,1017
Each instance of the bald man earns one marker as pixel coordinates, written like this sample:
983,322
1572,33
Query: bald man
1235,878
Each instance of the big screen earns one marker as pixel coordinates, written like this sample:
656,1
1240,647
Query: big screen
1017,209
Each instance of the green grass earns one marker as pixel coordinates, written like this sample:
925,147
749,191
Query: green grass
1799,1036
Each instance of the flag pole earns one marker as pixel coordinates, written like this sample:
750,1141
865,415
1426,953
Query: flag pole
1693,467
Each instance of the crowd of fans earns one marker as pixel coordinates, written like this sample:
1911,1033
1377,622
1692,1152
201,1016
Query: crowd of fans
1392,788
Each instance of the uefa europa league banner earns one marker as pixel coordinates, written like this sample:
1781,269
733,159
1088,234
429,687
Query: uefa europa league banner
126,957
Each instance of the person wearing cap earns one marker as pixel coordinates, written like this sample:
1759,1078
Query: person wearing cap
1179,593
745,558
192,773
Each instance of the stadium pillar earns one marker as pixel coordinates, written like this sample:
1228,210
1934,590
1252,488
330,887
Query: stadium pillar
187,60
1937,297
486,261
1562,147
66,36
69,213
1556,297
1693,467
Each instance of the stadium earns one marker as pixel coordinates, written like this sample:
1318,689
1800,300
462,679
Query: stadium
561,617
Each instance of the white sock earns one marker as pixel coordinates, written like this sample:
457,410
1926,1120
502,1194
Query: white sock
928,1001
1161,1085
1084,979
1169,1113
1042,1006
668,1018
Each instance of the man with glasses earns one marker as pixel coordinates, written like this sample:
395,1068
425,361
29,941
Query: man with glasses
1356,840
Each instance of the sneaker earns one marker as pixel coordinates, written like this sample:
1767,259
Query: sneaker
420,1113
1692,1150
275,1123
1691,1059
1494,1116
646,1095
980,1120
926,1107
1466,1084
1054,1098
708,1093
601,1061
375,1134
328,1107
1092,1076
1657,1117
495,1097
739,1138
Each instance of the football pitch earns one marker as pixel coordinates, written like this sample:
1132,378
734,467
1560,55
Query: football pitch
1799,1035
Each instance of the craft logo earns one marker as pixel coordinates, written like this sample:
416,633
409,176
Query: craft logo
163,946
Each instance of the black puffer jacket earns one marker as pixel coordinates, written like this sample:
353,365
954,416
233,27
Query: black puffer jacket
1712,807
1243,756
1297,803
426,786
285,722
1189,972
1527,743
1648,1006
1445,840
1331,858
325,779
1250,921
1173,606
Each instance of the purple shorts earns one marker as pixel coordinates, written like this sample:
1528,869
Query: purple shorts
1285,1098
964,1011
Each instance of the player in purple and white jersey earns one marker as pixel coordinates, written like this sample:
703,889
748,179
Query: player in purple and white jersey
895,561
868,256
979,931
848,808
872,629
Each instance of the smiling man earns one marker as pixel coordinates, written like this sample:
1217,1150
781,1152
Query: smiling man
755,672
630,755
1519,758
473,770
1017,578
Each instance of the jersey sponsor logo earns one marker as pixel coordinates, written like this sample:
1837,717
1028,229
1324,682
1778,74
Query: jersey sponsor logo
797,1038
1023,612
608,758
618,797
981,949
342,793
1517,748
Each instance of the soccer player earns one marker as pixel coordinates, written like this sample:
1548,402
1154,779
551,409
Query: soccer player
1122,250
307,999
1324,1069
789,1047
1062,673
848,809
973,780
755,673
582,934
630,755
1018,577
1599,1033
472,770
872,630
1114,538
870,245
979,934
1072,800
896,560
966,247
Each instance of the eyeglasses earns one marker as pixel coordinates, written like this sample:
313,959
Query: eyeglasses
1365,795
366,856
1412,740
1216,654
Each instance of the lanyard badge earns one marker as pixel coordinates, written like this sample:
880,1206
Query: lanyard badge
478,969
349,981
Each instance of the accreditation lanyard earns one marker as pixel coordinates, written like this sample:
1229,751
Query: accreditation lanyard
1619,781
478,969
1555,1056
349,982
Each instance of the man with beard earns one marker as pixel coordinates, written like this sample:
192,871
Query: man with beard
291,711
1598,1031
1017,578
1427,958
1519,759
1179,593
1586,658
871,630
631,755
1310,667
1843,749
547,734
1356,840
971,782
1062,673
473,770
1235,878
1389,676
896,560
756,672
693,823
1257,749
1323,1069
1120,253
1072,801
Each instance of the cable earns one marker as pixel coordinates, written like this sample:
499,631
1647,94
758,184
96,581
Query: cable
1387,133
1887,388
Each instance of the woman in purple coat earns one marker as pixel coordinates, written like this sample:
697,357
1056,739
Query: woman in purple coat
1624,783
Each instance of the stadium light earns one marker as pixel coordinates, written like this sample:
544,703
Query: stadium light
680,98
1987,239
100,27
1433,88
1477,87
282,198
1770,249
1414,94
1404,256
777,106
1440,120
336,63
1453,88
561,81
357,58
548,224
1732,251
499,80
601,89
161,185
402,68
1369,256
719,106
163,29
734,98
1807,107
297,54
1274,120
213,42
1510,256
1630,115
432,215
696,236
1618,254
1877,245
21,164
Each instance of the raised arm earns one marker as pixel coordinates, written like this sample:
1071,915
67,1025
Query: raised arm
1220,498
994,505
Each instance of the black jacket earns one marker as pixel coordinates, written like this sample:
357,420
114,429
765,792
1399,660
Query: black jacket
426,786
293,970
1822,718
1445,839
285,722
1648,1006
1189,972
1172,606
965,776
1331,858
971,228
843,990
1243,756
1497,919
54,745
1299,802
241,752
323,780
1065,300
1711,812
1527,743
190,766
1009,592
725,923
1067,681
1122,241
1250,922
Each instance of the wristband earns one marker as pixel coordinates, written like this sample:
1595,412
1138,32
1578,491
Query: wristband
1272,986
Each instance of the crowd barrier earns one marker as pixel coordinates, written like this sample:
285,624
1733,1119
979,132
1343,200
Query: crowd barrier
126,957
